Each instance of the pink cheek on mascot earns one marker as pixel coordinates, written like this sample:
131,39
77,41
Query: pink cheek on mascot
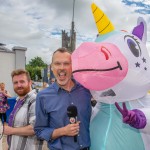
116,68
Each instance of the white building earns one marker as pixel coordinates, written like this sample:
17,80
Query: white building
10,60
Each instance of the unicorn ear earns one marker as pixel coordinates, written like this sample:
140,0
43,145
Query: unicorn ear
103,24
141,30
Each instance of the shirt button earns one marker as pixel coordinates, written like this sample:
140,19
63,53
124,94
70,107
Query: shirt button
78,134
81,145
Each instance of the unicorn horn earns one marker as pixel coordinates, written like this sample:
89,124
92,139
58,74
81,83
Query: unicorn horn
102,22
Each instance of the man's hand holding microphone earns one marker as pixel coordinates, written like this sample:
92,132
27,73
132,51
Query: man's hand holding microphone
71,129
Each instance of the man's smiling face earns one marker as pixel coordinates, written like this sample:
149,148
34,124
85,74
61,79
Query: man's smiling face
61,67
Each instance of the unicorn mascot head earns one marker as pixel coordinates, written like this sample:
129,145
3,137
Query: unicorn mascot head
117,64
116,68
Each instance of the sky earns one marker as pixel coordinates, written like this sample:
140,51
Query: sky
37,25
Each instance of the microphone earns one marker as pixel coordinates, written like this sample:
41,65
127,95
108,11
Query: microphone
72,114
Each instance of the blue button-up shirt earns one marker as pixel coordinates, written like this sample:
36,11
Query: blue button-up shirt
51,113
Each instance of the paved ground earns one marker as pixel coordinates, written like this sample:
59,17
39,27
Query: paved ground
5,147
4,140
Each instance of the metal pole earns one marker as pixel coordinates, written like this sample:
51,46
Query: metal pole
72,27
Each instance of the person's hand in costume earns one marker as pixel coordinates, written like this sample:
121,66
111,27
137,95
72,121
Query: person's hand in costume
134,118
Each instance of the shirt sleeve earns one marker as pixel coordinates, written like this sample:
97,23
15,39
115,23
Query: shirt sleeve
41,127
32,114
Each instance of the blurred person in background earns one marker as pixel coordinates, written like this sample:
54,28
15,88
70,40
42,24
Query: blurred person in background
4,106
53,80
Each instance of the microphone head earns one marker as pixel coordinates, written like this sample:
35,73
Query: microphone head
72,111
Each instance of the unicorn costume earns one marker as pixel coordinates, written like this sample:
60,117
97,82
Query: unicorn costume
116,68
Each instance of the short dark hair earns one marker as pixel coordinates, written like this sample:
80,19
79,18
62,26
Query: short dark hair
19,72
61,50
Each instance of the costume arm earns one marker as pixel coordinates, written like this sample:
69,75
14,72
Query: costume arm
134,118
146,112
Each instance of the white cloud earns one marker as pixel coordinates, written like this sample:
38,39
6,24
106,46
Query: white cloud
37,24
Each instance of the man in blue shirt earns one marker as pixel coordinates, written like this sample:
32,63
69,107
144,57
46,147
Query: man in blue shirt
52,122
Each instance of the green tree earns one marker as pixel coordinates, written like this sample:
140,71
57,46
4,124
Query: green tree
35,66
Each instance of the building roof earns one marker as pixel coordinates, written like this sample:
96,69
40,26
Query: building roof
4,49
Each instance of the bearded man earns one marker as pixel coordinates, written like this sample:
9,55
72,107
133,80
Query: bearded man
19,130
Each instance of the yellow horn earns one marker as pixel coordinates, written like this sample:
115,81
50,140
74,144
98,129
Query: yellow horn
102,22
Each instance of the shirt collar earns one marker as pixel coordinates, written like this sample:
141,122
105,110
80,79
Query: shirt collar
27,95
57,87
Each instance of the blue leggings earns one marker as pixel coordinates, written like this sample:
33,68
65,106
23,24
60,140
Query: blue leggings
3,116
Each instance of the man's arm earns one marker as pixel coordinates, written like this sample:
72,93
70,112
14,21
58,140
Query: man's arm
42,128
23,131
69,130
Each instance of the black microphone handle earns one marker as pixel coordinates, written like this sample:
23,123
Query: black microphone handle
72,114
72,121
75,138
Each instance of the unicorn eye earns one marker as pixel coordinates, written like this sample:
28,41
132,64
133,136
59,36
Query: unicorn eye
133,45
